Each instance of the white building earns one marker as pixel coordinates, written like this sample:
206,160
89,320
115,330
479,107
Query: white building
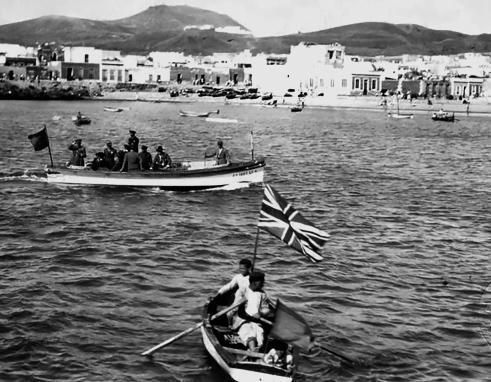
142,69
271,73
82,54
319,69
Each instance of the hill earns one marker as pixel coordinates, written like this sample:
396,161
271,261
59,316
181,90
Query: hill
371,39
164,28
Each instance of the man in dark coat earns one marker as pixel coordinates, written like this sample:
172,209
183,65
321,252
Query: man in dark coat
221,154
145,159
162,160
133,141
131,161
110,155
78,153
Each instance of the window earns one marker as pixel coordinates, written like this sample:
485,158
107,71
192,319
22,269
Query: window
120,75
332,83
150,78
357,83
111,75
344,83
321,82
104,75
86,58
374,84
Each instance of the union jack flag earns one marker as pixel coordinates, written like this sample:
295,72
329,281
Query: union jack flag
279,218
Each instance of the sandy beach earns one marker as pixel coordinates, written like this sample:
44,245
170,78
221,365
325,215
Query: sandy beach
478,106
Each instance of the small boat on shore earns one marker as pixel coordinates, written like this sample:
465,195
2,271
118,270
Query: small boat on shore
81,120
113,109
296,109
223,345
400,116
443,116
187,176
183,113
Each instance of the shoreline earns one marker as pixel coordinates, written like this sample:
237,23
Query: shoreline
480,106
93,91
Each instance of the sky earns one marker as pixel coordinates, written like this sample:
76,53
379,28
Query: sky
279,17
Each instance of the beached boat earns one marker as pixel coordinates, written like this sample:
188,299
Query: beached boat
296,109
188,175
183,113
81,120
240,364
400,116
443,116
113,109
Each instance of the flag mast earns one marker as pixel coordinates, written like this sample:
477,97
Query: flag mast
49,148
255,249
252,149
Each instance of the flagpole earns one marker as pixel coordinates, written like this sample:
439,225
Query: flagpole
252,146
255,249
49,148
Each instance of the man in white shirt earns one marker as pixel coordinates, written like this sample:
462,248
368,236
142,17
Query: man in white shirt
239,285
239,281
248,320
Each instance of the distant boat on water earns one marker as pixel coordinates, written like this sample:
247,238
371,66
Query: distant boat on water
399,115
113,109
443,116
183,113
81,120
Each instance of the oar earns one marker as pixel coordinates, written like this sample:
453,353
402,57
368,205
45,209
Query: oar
340,356
191,329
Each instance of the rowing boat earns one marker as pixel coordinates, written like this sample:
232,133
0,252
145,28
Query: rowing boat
113,109
186,176
443,116
400,116
275,363
81,120
183,113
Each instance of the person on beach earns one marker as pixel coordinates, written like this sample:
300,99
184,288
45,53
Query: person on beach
78,153
221,154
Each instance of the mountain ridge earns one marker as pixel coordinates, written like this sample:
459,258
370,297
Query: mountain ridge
163,27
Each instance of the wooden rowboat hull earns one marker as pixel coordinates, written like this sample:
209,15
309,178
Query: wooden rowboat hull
242,370
401,116
185,178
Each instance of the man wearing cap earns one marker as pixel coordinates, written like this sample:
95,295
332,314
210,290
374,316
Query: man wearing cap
248,320
78,153
133,141
109,155
145,159
162,160
222,154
